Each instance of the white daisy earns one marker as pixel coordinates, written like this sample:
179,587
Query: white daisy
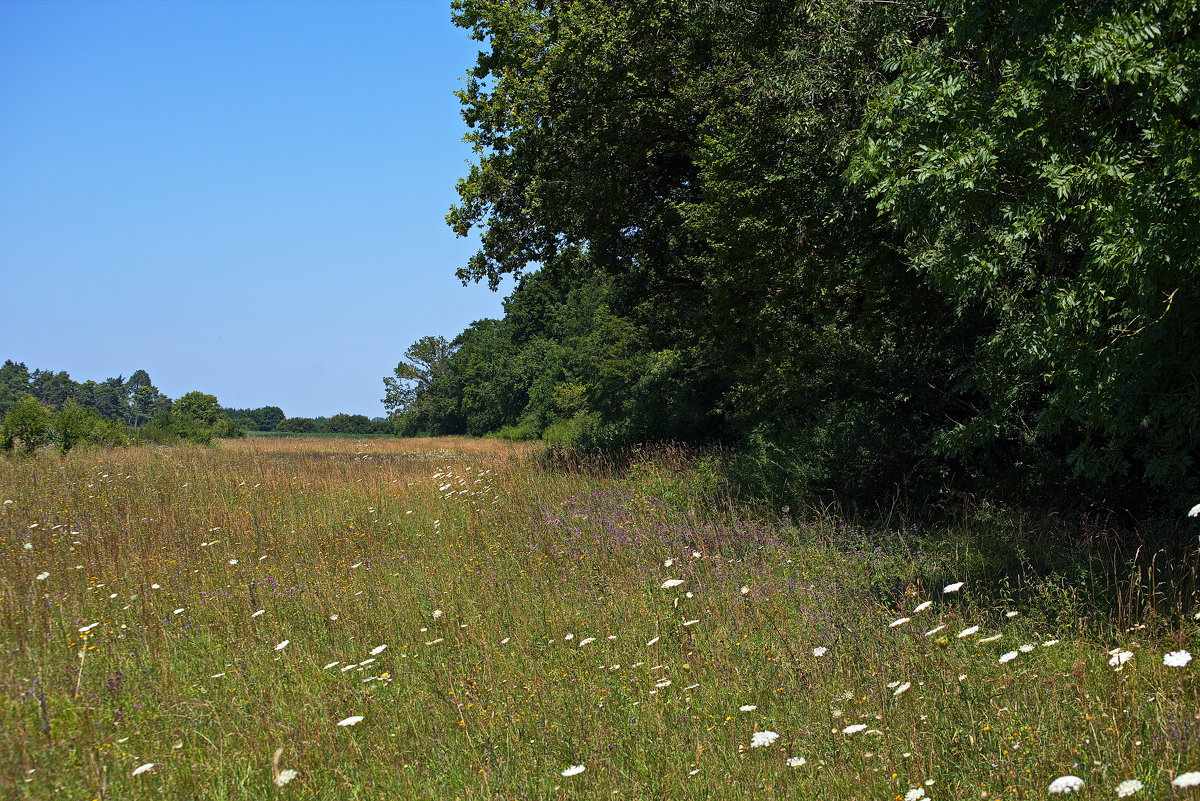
1120,658
1026,648
820,650
915,794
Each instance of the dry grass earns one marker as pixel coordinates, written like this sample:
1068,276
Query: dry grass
484,575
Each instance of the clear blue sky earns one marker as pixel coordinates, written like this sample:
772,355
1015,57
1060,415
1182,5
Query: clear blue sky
244,198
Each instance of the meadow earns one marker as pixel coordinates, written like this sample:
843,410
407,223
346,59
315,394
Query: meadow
452,618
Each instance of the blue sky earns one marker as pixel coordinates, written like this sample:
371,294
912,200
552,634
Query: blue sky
244,198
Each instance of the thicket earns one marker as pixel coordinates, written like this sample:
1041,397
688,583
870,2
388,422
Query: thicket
946,246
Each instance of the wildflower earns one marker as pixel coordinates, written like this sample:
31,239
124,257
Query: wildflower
1008,657
285,776
351,721
1048,643
820,650
854,728
652,641
43,576
379,649
967,632
745,590
88,628
574,770
747,708
921,607
903,688
898,622
1026,648
437,613
668,563
1120,658
669,583
935,630
29,546
1187,779
1128,787
155,587
331,664
915,794
216,675
282,645
569,636
143,768
955,587
1011,614
179,611
259,612
1193,512
1066,784
993,638
795,762
233,561
1177,659
765,738
505,640
586,640
333,617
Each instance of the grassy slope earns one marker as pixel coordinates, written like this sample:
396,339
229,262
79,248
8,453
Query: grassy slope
484,575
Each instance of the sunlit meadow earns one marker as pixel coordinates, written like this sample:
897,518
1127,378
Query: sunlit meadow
342,619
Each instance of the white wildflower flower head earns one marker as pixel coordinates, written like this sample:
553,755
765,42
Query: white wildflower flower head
820,650
921,607
903,688
379,649
586,640
652,640
915,794
437,613
350,721
29,546
1190,779
1011,614
1008,657
1128,788
43,576
795,762
747,708
574,770
1049,643
854,728
668,563
935,630
967,632
1066,784
285,776
898,622
1193,512
1120,658
955,587
1026,648
1177,658
143,768
761,739
745,590
569,636
669,583
282,645
259,612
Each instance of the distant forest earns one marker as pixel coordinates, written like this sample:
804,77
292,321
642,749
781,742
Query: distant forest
41,406
950,247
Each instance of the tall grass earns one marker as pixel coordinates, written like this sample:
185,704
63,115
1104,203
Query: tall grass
528,630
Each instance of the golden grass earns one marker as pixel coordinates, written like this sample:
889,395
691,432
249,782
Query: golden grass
484,574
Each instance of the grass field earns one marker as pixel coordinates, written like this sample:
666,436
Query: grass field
341,619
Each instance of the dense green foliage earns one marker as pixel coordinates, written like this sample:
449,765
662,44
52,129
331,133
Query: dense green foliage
868,244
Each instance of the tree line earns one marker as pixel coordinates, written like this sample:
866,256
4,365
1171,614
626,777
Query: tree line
39,407
947,245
